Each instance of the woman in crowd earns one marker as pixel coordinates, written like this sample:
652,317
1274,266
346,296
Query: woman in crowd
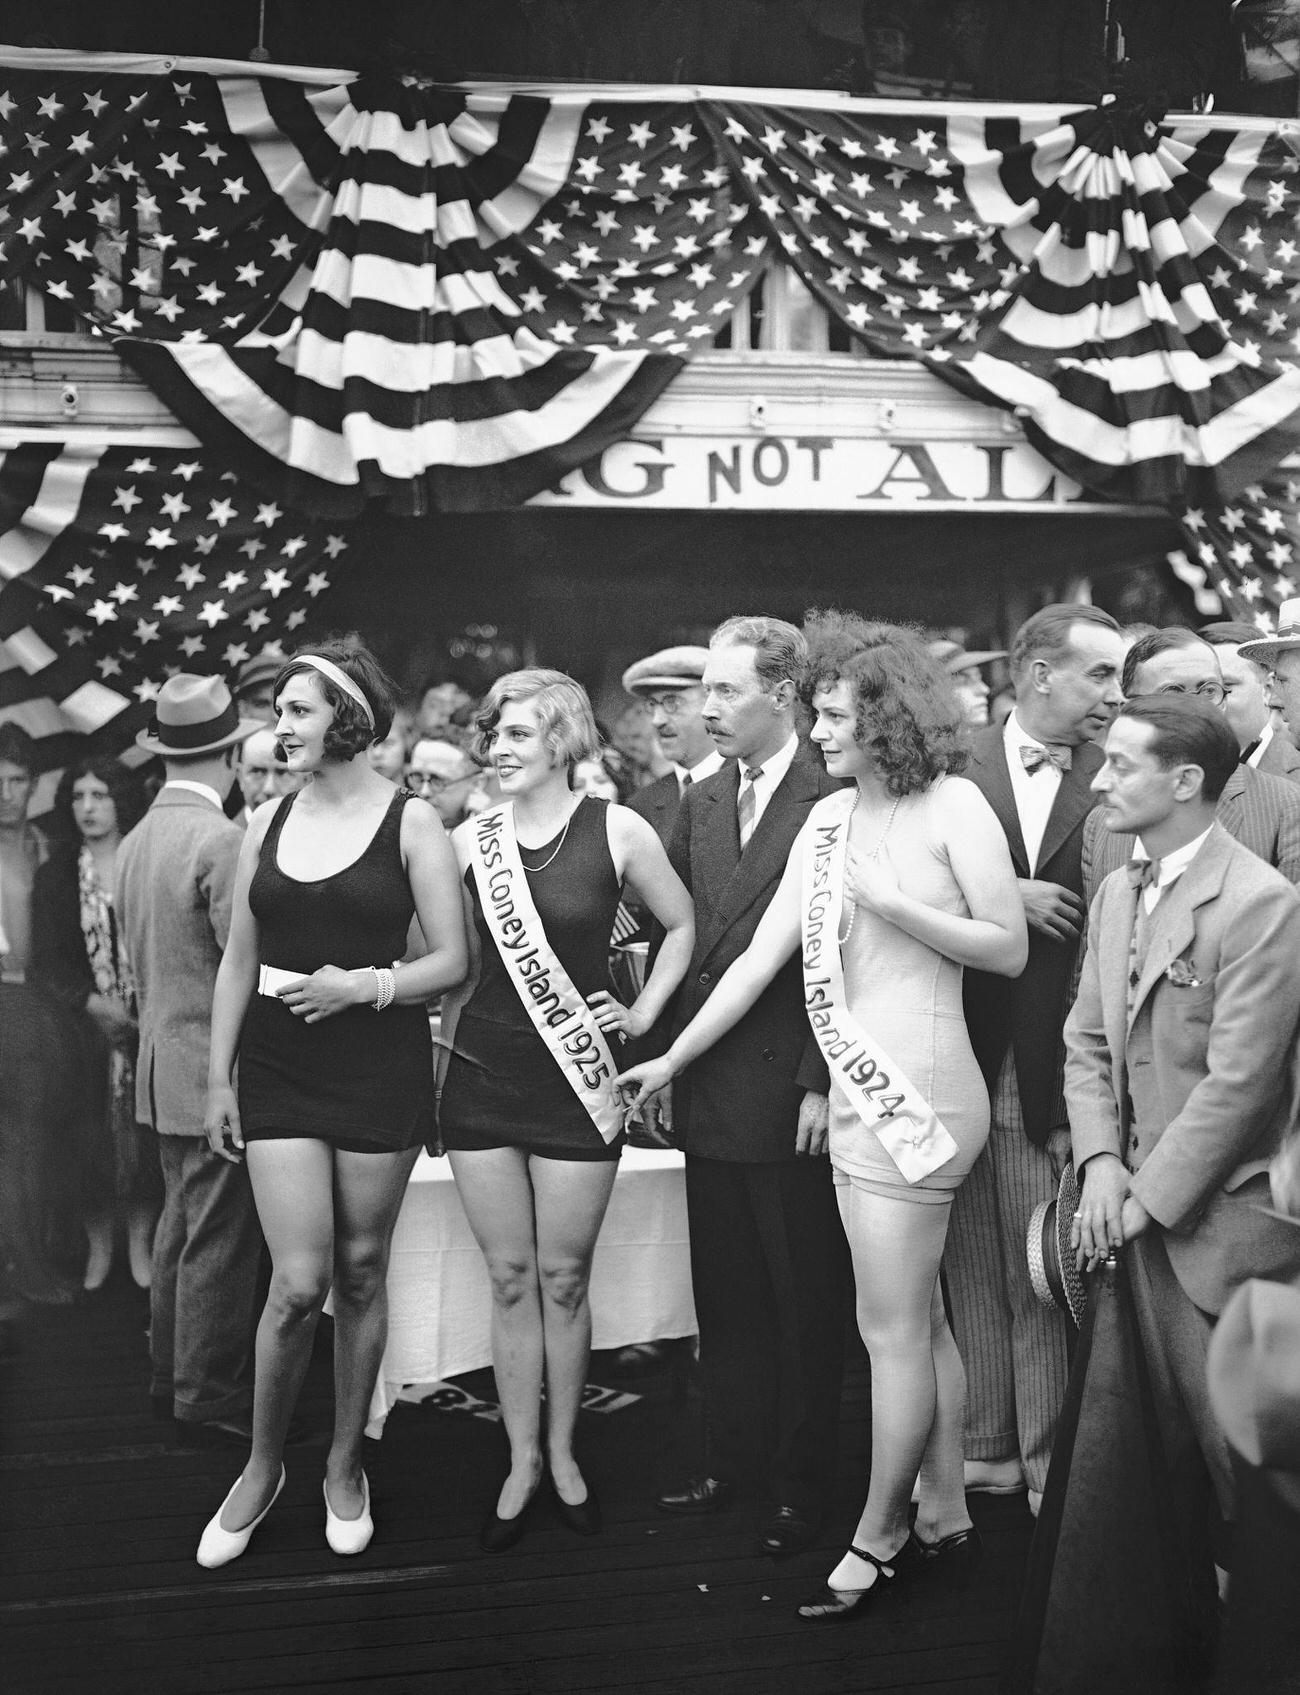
529,1112
605,776
893,887
335,1061
79,959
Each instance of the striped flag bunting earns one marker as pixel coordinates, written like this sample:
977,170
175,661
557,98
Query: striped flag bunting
446,297
119,567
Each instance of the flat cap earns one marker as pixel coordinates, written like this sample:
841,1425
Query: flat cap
263,667
672,668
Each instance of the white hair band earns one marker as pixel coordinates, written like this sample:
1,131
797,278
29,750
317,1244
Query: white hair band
328,668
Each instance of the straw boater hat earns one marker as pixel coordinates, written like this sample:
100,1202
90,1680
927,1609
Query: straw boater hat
672,668
195,715
1052,1271
954,658
1267,648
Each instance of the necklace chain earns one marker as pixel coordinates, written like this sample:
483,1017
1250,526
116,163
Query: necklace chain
531,869
874,854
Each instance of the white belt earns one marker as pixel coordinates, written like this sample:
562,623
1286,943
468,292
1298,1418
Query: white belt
270,979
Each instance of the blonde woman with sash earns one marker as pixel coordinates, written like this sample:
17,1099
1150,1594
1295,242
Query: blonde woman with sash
529,1112
893,887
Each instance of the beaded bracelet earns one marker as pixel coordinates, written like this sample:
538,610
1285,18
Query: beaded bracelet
385,986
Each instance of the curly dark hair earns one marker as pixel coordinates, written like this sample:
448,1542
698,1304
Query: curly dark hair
123,785
349,733
907,715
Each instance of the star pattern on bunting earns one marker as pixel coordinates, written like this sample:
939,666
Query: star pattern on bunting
1252,276
160,223
1248,552
646,247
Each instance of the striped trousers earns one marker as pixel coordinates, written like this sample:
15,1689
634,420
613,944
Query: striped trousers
1013,1348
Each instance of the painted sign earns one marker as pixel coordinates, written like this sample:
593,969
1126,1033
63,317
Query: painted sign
818,473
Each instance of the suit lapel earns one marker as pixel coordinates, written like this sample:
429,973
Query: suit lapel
1074,800
1173,923
1232,802
765,858
991,774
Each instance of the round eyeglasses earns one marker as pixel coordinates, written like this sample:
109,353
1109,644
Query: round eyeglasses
1213,692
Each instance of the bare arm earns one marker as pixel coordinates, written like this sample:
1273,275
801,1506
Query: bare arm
641,862
236,982
775,940
994,936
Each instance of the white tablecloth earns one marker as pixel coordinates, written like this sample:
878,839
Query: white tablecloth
439,1298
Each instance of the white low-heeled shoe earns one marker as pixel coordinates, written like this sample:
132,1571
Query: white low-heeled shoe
217,1545
349,1535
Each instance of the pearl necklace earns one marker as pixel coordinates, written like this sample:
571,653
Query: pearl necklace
533,869
874,854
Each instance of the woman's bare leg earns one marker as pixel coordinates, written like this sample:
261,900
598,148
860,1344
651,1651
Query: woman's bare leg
497,1194
570,1201
368,1191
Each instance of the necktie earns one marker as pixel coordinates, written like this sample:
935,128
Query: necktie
745,804
685,782
1032,757
1142,875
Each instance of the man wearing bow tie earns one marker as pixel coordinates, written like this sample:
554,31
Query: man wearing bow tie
1180,1065
1036,773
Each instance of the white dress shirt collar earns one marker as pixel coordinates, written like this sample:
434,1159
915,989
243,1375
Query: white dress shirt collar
697,773
1261,746
773,772
1172,865
204,789
1034,791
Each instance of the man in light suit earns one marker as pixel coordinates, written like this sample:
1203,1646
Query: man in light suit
1035,772
671,685
1260,811
1280,654
175,882
1245,683
769,1261
1180,1064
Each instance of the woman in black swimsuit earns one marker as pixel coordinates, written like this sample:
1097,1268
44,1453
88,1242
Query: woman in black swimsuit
533,1166
335,1089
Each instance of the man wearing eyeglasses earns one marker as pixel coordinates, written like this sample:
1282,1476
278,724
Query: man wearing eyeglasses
670,683
1247,681
443,774
1262,812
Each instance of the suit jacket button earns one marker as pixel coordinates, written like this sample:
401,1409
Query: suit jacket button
705,978
769,1053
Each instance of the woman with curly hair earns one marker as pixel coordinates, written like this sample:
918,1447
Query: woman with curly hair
894,886
78,957
529,1113
335,1060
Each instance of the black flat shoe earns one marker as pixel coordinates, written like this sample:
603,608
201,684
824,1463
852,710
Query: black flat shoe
498,1534
584,1518
838,1606
698,1495
787,1532
956,1556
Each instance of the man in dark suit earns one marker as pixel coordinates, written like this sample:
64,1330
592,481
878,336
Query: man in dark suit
768,1257
1259,811
670,684
1245,683
1035,772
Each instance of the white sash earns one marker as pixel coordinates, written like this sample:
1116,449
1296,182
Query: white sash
560,1016
880,1094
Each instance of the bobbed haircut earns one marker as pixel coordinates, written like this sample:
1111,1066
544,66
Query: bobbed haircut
1188,731
349,732
780,650
1046,635
906,714
1148,647
18,747
124,787
563,710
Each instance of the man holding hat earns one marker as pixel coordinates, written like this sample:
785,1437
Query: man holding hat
967,684
671,685
1180,1064
175,880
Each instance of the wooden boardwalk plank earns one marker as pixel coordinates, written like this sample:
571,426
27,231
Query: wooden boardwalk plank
103,1510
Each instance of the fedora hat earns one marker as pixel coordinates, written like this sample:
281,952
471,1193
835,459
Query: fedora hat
195,715
954,657
1052,1272
1266,649
670,668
